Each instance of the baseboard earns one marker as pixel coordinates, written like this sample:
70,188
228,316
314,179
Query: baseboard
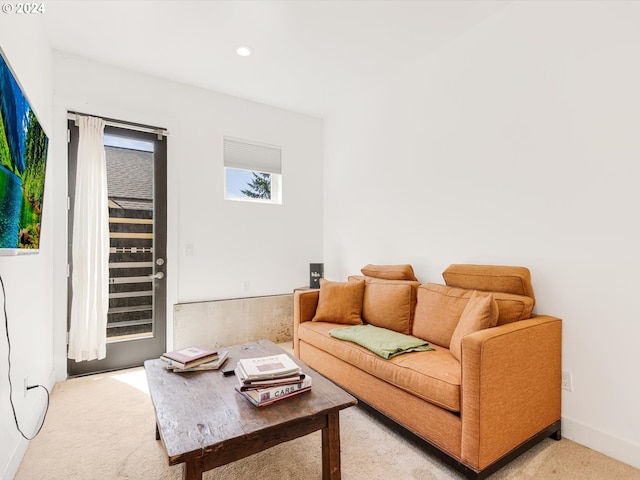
607,444
15,460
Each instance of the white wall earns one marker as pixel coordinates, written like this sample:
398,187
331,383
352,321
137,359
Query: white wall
266,247
516,144
27,279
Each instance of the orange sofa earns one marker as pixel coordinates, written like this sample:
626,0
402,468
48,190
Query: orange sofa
477,401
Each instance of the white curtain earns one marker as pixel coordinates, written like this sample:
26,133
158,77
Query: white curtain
90,248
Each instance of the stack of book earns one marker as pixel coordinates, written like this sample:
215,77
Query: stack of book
265,380
194,359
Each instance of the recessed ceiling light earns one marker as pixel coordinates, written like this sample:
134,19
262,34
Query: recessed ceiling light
243,51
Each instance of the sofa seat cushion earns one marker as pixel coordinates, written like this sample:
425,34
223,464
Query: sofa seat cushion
433,376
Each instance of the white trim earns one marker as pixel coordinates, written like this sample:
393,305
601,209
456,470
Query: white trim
623,450
15,459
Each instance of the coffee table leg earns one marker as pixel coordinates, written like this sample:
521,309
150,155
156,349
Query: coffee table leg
193,470
331,447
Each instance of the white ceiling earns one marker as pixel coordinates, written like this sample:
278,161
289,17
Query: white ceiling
307,54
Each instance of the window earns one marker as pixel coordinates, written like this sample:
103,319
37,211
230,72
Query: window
252,171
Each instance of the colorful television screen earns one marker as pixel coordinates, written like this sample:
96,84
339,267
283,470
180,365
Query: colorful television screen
23,157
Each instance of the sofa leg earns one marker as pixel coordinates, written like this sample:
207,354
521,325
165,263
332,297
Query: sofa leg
557,435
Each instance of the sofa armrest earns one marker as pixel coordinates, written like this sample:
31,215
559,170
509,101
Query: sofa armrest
511,377
305,303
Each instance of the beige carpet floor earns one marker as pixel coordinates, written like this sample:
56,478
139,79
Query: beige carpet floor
101,427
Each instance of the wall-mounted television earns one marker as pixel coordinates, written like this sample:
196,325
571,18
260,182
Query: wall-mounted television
23,158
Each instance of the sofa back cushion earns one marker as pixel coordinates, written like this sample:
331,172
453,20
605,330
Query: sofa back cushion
389,272
512,308
480,313
438,310
388,303
340,302
490,278
439,307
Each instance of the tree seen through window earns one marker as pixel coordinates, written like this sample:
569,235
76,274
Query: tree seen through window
259,186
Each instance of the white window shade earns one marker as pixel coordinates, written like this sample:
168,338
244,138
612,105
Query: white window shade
252,156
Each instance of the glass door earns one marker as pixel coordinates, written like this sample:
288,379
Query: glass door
136,178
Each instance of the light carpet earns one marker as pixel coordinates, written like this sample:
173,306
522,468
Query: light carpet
102,427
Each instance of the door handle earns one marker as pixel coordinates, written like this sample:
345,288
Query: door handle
157,276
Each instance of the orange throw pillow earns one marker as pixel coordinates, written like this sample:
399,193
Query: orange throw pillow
340,302
481,312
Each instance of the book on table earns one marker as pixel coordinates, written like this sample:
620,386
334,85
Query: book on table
214,364
265,380
266,396
247,384
269,367
189,357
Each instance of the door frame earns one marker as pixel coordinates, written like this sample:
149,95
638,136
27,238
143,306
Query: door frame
131,352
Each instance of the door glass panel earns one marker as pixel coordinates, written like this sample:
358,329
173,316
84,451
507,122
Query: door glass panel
130,186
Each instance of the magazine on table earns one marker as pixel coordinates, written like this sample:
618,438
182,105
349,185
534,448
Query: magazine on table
212,365
272,366
189,357
246,384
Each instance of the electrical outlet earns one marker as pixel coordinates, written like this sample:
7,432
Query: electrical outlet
567,382
26,384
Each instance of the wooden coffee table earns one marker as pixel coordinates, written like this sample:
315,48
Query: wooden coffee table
204,423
